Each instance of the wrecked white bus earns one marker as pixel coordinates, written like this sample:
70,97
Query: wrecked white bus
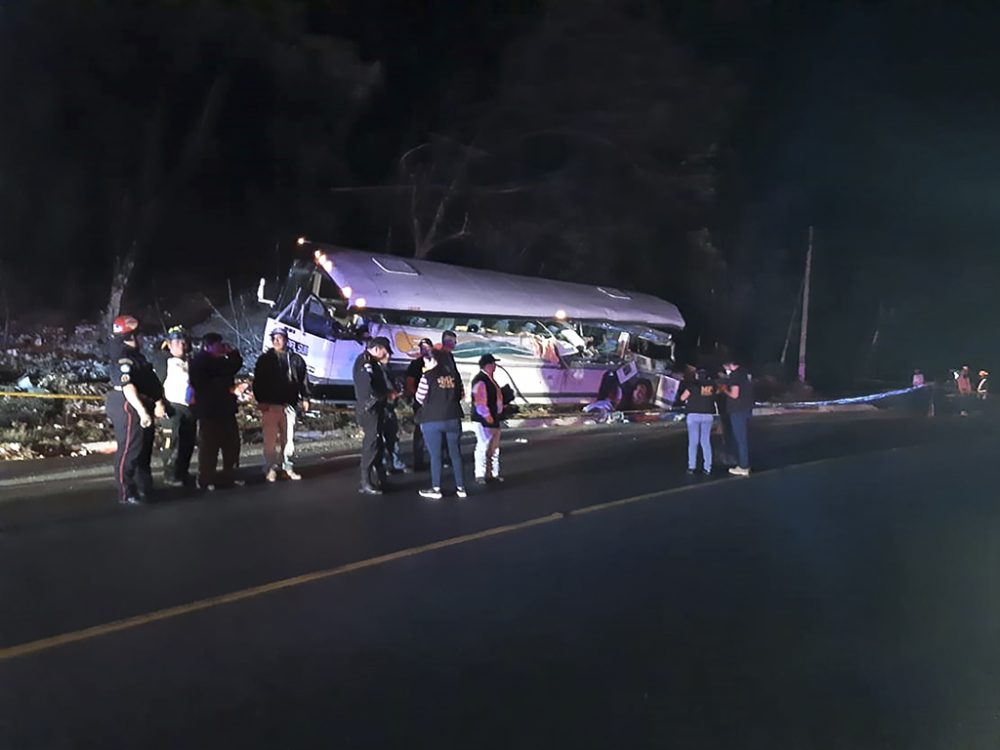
557,342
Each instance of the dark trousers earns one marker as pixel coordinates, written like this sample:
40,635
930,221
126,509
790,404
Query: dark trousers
214,435
135,448
183,435
419,445
739,422
390,440
372,422
419,449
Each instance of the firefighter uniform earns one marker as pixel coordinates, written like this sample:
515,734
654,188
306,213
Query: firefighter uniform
135,442
371,393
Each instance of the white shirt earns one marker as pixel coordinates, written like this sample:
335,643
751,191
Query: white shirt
177,385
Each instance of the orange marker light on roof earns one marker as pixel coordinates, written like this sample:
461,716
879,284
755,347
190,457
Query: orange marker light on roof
560,314
302,240
360,303
346,291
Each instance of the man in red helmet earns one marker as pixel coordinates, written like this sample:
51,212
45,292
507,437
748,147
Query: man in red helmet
136,394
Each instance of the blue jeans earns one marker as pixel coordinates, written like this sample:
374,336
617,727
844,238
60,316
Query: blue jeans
739,421
699,432
451,430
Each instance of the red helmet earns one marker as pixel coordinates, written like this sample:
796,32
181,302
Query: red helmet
124,325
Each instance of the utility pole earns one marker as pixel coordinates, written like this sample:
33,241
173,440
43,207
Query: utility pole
805,309
791,324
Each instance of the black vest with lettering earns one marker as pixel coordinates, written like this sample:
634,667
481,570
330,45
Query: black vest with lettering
444,394
702,396
491,399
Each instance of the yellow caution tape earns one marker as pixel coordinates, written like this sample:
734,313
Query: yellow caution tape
21,394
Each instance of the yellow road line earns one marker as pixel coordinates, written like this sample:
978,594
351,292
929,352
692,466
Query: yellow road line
45,644
75,636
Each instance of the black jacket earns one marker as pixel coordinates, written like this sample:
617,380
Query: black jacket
212,382
130,367
371,388
280,380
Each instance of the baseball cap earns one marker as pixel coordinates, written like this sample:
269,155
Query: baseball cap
279,331
487,359
380,341
176,333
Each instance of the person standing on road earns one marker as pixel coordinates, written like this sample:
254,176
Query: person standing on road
212,371
738,389
963,382
179,397
280,386
413,373
698,396
135,397
441,419
390,425
449,340
983,389
487,406
371,393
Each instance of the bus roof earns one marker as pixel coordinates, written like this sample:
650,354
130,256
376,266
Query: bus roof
387,282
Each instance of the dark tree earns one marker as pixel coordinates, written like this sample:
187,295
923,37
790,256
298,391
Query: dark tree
163,137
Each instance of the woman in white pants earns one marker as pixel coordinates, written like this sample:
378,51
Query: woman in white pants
487,406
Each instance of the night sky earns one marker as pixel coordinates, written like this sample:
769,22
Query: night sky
874,122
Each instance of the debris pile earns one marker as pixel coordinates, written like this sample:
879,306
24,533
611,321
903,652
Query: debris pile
51,360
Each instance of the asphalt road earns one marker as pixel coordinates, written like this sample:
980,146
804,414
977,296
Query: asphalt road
845,596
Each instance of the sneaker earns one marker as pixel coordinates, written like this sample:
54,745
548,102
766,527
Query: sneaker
130,500
293,475
434,493
460,492
271,476
707,472
690,471
739,471
497,480
480,480
367,489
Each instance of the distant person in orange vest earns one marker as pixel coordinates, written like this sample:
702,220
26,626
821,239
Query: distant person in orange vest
963,382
